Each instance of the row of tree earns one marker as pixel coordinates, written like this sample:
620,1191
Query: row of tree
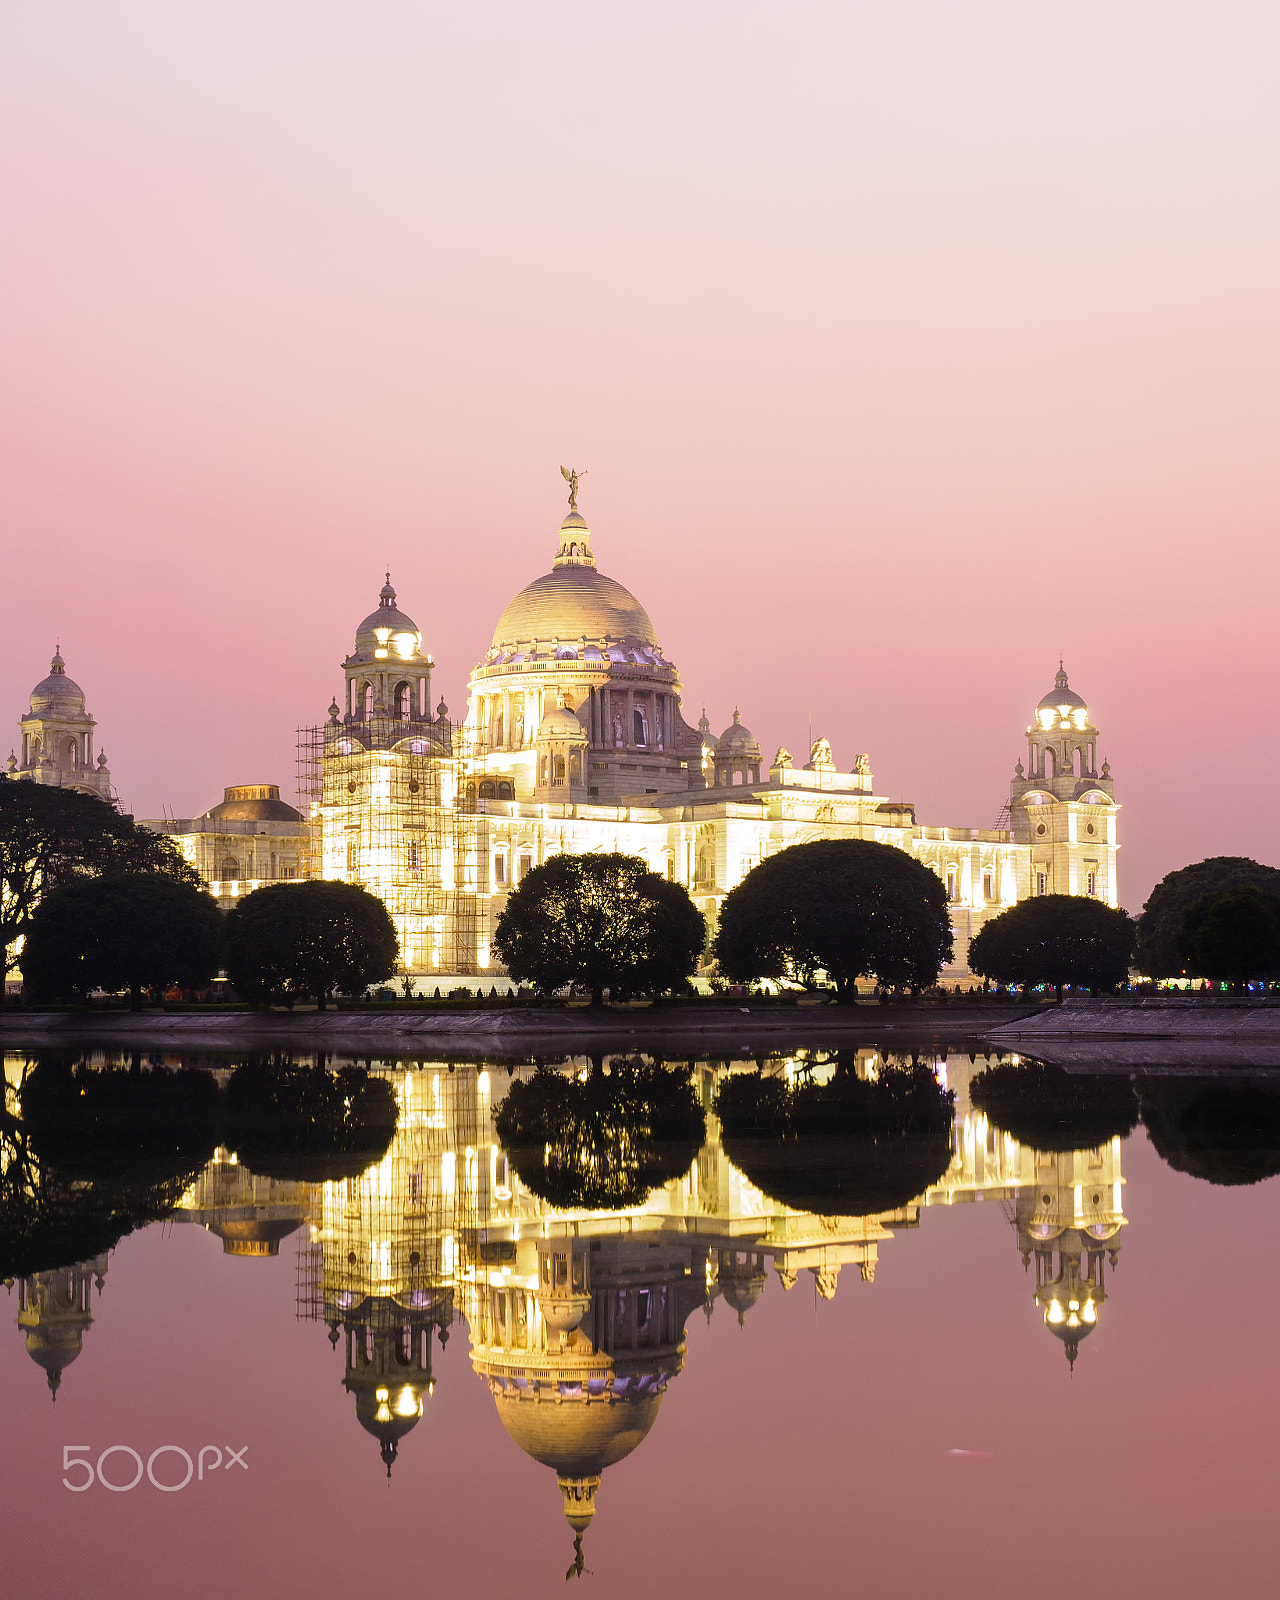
144,931
95,902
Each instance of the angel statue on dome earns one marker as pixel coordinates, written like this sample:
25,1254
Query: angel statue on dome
571,478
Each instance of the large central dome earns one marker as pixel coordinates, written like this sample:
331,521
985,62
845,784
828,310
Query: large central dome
573,600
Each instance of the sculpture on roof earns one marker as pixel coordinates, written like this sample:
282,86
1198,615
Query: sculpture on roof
571,478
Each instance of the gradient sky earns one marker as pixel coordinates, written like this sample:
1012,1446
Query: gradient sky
906,347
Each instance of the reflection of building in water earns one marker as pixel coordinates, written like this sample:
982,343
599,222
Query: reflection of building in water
249,1213
1065,1205
1068,1219
387,1247
54,1311
578,1361
577,1318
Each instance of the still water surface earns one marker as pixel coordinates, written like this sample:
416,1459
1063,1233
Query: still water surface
1049,1372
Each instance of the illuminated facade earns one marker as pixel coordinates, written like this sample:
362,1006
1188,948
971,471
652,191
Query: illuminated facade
575,740
251,838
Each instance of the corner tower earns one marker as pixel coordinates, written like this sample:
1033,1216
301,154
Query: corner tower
1062,805
57,737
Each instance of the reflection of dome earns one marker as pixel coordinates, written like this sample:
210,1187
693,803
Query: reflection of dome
385,622
578,1440
573,601
257,1237
255,802
1071,1321
388,1414
57,692
741,1279
54,1348
738,740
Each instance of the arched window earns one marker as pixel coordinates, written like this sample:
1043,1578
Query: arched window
230,870
500,867
71,752
638,732
487,791
558,770
1050,763
575,775
404,702
952,881
506,790
364,709
706,867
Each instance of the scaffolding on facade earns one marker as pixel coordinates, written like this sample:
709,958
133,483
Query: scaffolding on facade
380,800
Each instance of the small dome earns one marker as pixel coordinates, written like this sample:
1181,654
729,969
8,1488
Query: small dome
386,622
254,802
560,723
737,739
57,692
1060,697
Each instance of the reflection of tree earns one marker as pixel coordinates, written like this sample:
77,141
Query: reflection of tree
88,1154
138,1125
87,1162
1223,1132
850,1147
306,1123
1049,1109
604,1139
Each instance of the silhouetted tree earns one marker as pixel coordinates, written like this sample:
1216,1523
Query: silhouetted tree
603,921
1056,939
312,938
606,1140
846,908
49,836
1158,953
1049,1109
137,932
1233,935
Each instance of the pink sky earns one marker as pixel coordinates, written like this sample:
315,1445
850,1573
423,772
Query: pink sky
906,347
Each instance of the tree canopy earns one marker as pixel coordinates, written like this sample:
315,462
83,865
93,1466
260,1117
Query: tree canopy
134,932
603,1141
1158,952
602,921
49,836
849,908
1056,939
1233,935
310,938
